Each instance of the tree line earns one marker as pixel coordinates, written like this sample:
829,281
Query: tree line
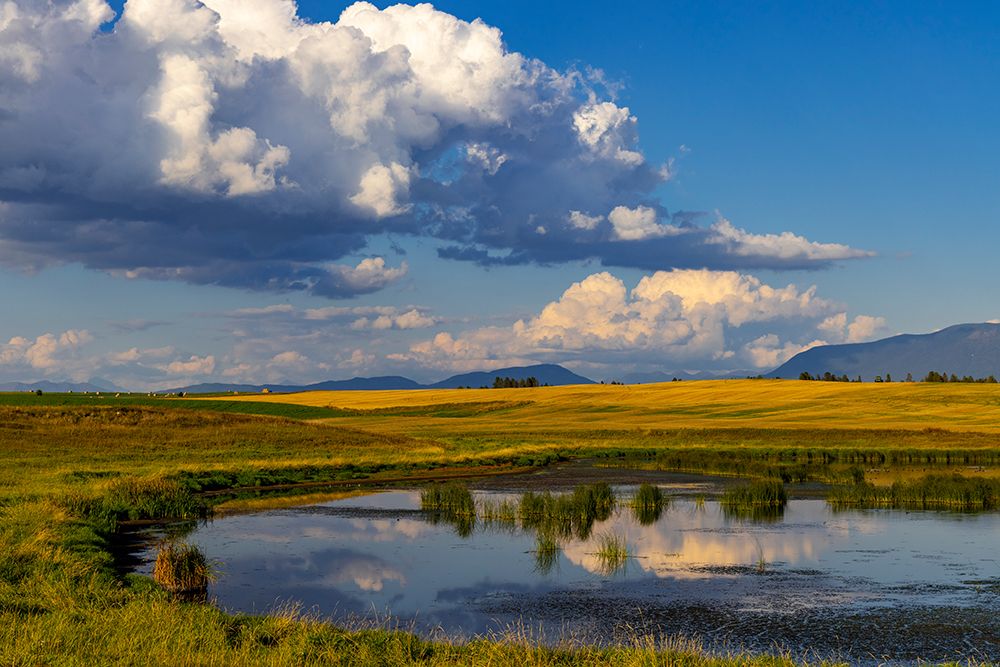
932,376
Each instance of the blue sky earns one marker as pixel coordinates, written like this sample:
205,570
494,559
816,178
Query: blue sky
864,129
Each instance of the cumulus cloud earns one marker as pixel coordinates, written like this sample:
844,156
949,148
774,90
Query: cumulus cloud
194,365
44,353
232,143
689,318
370,275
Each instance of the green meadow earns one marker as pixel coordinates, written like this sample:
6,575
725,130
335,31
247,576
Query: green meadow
75,467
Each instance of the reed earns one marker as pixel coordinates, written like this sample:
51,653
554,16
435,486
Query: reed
932,491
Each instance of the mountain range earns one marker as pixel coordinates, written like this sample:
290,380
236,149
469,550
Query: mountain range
60,387
963,349
550,374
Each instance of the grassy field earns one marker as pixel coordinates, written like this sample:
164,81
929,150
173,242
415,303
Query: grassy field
770,404
73,465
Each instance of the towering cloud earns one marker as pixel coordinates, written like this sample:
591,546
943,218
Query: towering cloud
234,143
681,318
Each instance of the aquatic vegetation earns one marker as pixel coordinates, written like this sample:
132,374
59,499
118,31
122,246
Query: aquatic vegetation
647,504
567,514
612,553
546,553
502,512
760,501
183,570
934,491
451,497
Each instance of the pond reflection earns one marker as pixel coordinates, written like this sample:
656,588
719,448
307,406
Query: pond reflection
800,580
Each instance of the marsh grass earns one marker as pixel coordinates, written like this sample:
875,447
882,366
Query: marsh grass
935,491
452,497
498,512
135,499
761,501
183,570
567,515
546,552
647,504
612,553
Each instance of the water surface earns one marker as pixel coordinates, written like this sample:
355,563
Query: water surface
864,586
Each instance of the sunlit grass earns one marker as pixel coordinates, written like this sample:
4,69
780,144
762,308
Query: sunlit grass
934,491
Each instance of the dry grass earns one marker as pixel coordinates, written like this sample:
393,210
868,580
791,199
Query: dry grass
708,404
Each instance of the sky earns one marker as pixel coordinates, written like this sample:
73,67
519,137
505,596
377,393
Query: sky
276,192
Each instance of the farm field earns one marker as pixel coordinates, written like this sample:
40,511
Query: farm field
73,467
783,404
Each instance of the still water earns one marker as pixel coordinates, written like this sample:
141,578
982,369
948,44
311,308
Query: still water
862,586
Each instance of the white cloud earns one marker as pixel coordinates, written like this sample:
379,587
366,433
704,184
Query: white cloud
581,220
769,352
700,318
233,143
780,246
637,224
608,130
382,189
194,365
369,275
864,328
46,353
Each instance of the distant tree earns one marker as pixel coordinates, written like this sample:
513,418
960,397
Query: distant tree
805,376
909,377
953,378
888,377
38,392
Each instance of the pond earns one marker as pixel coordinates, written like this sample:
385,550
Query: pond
862,586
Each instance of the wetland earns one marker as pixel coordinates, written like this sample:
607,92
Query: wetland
811,580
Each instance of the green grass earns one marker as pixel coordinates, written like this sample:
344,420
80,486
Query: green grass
612,553
647,504
72,467
759,500
935,491
453,497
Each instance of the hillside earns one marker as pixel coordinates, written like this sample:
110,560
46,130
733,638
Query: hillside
963,349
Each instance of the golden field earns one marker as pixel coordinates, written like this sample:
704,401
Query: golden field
766,404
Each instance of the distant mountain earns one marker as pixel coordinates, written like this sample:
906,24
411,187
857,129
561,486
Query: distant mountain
384,382
546,374
668,376
963,349
551,374
58,387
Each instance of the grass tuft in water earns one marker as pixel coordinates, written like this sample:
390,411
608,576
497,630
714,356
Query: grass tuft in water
758,500
648,504
183,570
612,553
452,497
546,553
568,514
